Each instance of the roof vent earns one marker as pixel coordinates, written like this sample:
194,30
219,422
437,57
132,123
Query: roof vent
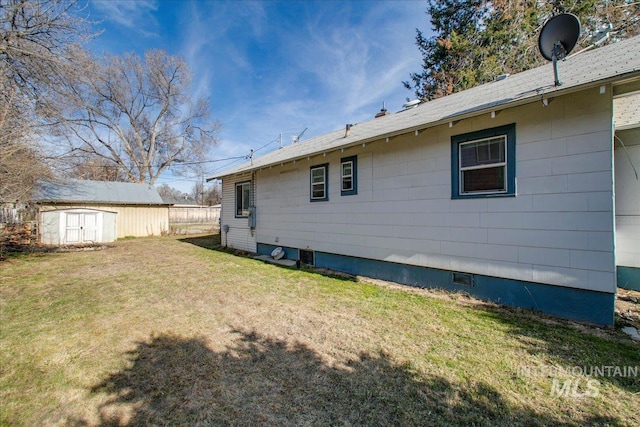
347,128
411,103
383,112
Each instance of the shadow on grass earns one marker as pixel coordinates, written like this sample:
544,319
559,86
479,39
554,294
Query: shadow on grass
209,241
262,381
212,242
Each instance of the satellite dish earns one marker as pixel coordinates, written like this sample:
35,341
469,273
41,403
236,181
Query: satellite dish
558,37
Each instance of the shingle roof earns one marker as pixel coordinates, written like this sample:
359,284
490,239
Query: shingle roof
609,63
81,191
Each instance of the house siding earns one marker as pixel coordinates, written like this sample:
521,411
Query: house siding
240,235
558,230
628,209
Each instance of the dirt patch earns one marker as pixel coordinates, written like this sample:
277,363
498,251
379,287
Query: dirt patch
628,308
38,248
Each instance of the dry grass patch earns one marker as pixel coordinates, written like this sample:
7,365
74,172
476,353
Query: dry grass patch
175,332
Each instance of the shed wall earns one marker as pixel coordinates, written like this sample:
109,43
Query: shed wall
558,230
135,221
53,225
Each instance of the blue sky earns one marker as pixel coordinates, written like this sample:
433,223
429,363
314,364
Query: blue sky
271,67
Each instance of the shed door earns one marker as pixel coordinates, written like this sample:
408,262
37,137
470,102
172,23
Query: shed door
81,227
90,227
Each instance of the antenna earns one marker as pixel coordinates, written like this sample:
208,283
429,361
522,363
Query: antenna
297,138
598,38
558,37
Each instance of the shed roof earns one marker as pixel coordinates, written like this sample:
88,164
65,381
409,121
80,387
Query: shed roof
83,191
612,63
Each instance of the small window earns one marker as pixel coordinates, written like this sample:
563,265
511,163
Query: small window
319,183
349,176
483,163
243,193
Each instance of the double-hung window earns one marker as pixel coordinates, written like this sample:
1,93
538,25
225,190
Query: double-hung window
349,176
243,195
483,163
319,183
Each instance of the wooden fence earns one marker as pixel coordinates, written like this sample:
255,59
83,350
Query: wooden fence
194,219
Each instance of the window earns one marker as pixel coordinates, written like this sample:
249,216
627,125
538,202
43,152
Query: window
319,183
243,193
483,163
349,176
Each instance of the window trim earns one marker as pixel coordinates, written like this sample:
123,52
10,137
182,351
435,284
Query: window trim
325,168
354,176
509,131
239,184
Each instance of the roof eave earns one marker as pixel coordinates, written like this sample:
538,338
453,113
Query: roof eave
511,103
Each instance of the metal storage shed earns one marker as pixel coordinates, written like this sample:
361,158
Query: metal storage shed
76,211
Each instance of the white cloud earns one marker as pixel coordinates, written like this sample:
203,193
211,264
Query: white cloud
334,67
272,67
135,15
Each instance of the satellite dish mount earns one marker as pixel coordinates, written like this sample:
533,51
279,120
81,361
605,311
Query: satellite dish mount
558,37
559,52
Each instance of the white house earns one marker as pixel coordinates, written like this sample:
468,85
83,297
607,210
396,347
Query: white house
517,191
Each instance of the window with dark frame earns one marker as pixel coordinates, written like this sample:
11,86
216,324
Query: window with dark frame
319,183
243,195
349,176
483,163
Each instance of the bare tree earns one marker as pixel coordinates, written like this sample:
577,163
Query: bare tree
38,39
37,43
21,164
95,169
213,195
206,195
198,192
138,114
168,192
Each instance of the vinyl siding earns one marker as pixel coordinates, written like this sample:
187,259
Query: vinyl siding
558,229
240,235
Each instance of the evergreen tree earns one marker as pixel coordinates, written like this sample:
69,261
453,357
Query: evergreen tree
475,41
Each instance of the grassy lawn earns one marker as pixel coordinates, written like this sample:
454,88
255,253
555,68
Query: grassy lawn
165,331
